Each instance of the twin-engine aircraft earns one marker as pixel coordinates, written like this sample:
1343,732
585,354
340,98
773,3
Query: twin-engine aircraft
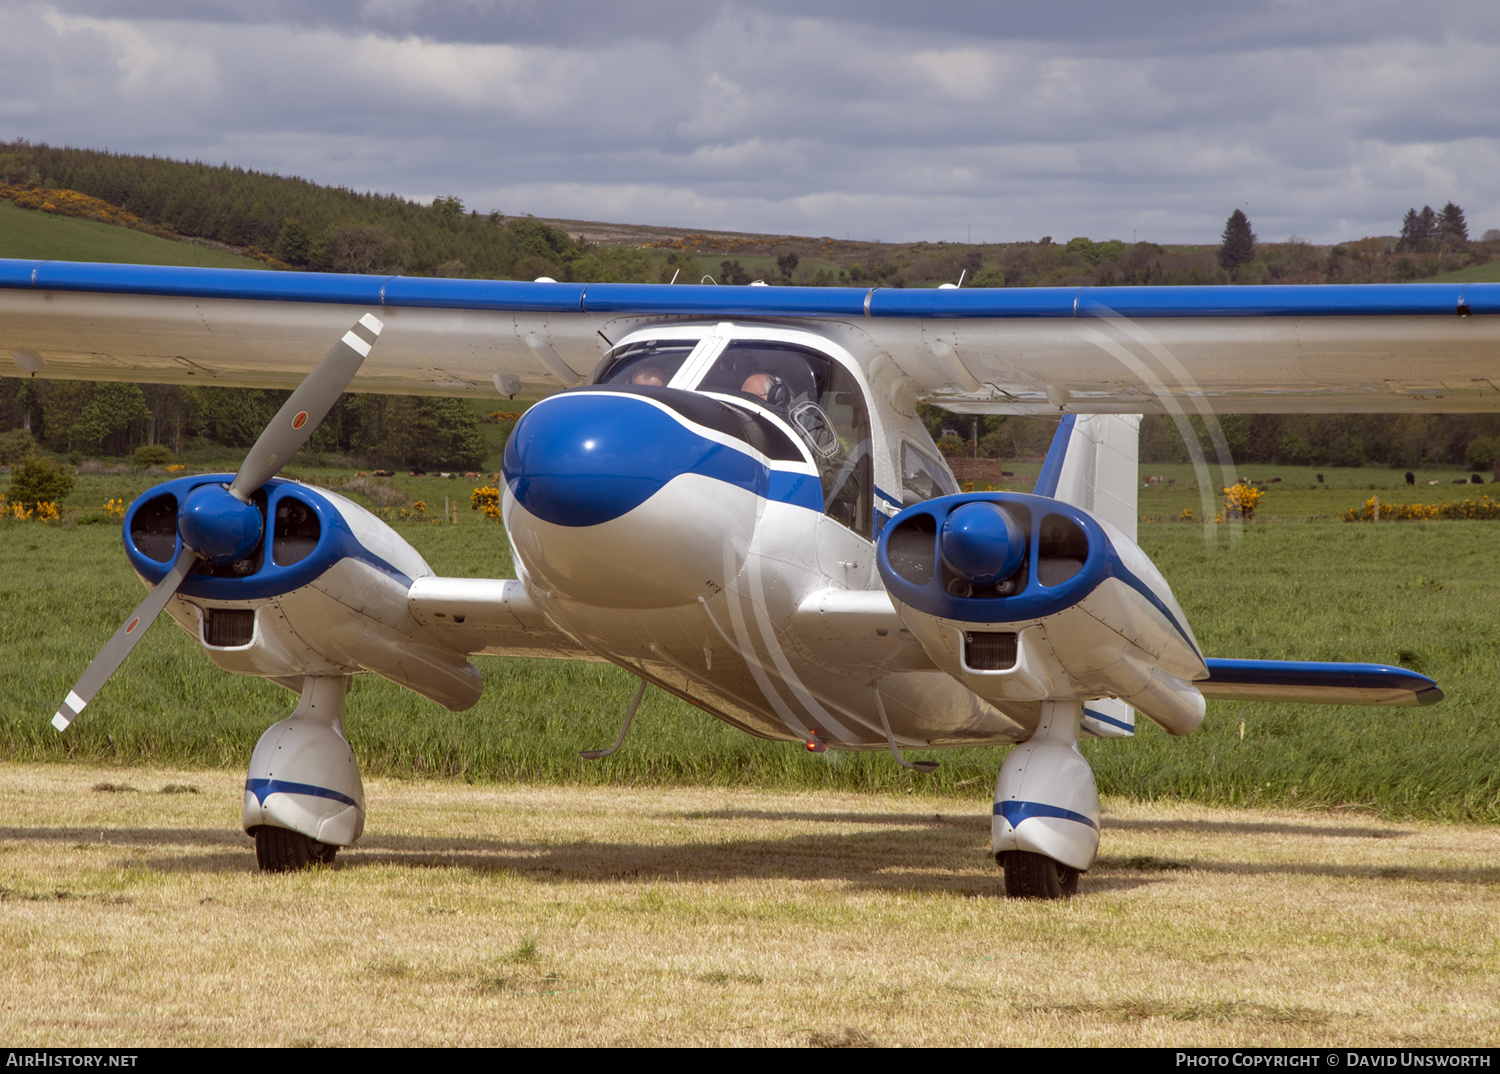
732,497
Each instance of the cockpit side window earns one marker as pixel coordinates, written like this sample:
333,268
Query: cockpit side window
922,477
651,363
823,403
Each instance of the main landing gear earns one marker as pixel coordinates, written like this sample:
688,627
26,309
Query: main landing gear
1045,830
303,796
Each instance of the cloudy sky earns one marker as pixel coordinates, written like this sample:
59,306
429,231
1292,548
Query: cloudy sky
876,119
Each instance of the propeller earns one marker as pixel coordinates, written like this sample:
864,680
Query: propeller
218,523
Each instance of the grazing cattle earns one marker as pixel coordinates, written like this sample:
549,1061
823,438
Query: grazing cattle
1411,478
1320,479
1475,479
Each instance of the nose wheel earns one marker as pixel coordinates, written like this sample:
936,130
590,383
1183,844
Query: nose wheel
1036,876
281,850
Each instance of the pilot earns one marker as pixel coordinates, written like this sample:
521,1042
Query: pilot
649,375
767,386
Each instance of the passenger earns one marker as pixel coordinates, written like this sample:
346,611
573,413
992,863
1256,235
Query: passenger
758,384
649,375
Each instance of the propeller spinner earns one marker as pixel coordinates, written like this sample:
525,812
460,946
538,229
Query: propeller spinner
218,523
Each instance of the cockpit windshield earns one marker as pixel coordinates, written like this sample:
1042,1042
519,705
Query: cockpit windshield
823,402
649,364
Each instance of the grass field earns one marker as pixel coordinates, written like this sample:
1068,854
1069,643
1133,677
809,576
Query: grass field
1420,594
1489,273
27,233
543,915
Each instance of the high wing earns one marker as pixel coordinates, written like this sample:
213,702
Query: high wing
1128,350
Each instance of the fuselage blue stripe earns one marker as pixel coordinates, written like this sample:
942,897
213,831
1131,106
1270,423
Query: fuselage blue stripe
1016,812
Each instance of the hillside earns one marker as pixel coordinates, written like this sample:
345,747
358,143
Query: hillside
305,225
43,236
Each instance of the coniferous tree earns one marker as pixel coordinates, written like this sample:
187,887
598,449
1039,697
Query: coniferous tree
1238,247
1419,230
1452,225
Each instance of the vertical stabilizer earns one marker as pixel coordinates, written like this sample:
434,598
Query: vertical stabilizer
1092,464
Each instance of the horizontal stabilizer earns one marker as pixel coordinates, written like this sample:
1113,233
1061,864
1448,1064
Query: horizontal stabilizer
1317,683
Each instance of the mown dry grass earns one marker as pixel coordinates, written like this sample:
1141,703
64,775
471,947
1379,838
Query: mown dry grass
131,914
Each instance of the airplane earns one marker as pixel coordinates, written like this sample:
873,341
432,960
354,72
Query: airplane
727,492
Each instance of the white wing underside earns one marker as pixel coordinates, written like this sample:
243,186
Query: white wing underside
1266,364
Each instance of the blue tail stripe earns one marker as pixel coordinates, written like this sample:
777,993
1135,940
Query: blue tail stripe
1051,472
263,788
1015,812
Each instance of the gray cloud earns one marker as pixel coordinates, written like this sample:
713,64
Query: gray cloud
880,120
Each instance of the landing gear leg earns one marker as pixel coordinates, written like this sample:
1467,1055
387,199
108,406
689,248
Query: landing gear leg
1045,829
303,797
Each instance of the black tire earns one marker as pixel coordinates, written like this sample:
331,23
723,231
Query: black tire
281,850
1036,876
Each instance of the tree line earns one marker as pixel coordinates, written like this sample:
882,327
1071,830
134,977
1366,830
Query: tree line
86,418
1401,441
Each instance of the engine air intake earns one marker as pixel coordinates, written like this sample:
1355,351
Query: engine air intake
989,650
228,628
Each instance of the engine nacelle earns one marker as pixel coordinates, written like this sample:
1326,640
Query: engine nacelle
323,593
1025,598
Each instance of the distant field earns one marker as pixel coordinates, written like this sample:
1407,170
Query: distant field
29,233
1489,273
1422,594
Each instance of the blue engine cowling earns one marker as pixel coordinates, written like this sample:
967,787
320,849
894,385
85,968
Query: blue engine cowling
1026,598
322,592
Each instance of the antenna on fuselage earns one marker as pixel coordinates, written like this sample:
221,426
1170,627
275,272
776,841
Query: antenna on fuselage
594,755
890,740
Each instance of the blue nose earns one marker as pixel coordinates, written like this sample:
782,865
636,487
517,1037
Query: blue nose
584,458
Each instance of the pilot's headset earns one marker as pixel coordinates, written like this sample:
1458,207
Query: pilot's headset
778,394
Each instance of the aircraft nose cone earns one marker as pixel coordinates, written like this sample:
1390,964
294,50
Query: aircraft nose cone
616,500
586,458
217,526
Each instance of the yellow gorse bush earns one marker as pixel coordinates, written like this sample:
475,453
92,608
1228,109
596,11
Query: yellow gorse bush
115,509
1482,509
487,500
1242,500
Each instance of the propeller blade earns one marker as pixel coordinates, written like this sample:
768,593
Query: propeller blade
118,647
309,405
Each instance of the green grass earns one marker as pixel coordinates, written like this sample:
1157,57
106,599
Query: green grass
31,234
1299,495
1421,594
1489,273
